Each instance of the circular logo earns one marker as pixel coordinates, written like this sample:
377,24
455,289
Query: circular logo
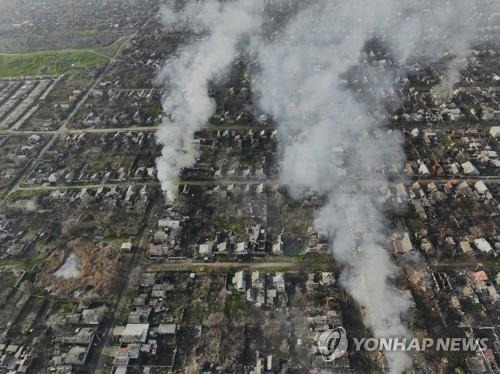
332,343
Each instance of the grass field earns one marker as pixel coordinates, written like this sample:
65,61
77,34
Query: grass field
48,63
111,49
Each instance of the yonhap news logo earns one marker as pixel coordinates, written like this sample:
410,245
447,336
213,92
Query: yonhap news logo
410,344
333,343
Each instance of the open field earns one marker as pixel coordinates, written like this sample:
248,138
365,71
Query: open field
111,49
48,63
58,40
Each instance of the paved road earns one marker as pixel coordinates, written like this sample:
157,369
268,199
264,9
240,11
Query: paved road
212,182
217,182
80,131
465,265
442,125
188,265
55,51
63,128
484,178
120,306
68,50
126,129
134,266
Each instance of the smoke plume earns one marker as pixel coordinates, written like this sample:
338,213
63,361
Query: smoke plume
218,28
324,84
328,91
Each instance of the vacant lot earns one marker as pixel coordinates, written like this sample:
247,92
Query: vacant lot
48,63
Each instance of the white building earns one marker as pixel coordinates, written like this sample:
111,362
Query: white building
126,247
423,169
206,248
241,249
239,281
483,245
135,333
495,131
481,188
469,168
222,248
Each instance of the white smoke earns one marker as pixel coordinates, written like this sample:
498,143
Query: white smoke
332,142
327,146
186,76
331,139
436,29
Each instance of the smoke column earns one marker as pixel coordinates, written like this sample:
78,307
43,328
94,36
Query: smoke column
186,76
318,81
331,138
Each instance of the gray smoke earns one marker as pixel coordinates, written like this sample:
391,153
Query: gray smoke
329,145
219,27
436,29
332,140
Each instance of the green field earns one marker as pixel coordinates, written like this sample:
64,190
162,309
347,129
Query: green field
48,63
112,49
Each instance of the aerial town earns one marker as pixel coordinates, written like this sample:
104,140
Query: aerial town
101,273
